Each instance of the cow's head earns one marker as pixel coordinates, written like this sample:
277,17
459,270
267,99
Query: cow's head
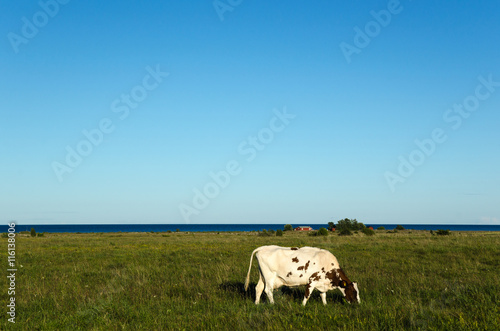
350,291
339,280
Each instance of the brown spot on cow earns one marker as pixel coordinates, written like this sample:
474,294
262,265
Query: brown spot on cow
294,248
289,274
323,270
315,277
341,273
301,275
304,267
295,259
337,276
333,277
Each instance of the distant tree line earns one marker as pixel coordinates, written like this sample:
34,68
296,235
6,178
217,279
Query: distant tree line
346,224
344,227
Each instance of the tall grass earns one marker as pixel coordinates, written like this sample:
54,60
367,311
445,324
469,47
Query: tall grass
194,281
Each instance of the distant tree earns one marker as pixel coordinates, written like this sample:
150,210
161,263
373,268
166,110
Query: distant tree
443,232
399,227
279,233
368,232
331,226
348,224
33,232
345,224
288,227
322,232
380,228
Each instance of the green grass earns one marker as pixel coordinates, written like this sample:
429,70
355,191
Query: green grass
194,281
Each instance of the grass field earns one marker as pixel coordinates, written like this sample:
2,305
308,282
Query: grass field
194,281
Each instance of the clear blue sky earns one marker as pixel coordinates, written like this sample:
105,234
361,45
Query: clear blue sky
304,111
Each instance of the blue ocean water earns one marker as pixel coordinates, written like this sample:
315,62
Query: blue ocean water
88,228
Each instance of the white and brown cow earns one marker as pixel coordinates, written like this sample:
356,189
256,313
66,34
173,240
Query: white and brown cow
314,267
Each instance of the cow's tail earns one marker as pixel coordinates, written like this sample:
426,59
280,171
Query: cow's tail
250,268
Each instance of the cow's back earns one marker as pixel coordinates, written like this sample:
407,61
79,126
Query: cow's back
294,265
280,254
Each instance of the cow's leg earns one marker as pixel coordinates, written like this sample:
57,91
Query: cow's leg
323,297
269,291
258,289
309,289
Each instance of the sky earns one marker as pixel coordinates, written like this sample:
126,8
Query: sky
236,111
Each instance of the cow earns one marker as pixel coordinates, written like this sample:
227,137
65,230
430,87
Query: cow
292,266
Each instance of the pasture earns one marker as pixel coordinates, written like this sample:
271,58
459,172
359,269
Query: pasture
194,281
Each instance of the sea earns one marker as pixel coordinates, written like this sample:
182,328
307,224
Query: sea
97,228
